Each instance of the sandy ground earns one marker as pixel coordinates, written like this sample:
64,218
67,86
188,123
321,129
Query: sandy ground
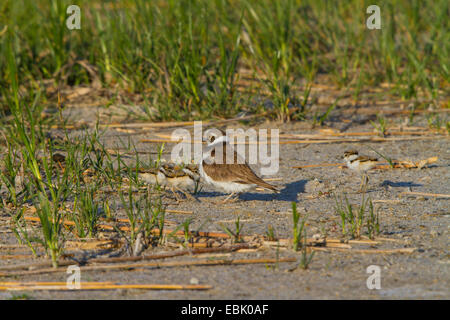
414,222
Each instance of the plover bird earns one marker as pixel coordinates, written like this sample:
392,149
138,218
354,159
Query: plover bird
360,164
233,178
177,177
152,176
181,176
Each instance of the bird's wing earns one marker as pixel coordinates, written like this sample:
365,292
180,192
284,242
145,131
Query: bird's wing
233,172
365,159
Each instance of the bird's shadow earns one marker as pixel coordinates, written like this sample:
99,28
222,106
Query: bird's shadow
388,183
288,193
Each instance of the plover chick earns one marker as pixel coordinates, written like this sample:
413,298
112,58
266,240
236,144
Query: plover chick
360,164
181,177
177,177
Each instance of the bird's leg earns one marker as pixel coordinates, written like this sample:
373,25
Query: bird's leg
229,197
361,184
187,195
175,194
364,182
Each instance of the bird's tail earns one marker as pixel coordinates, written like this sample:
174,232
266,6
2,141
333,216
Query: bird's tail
268,186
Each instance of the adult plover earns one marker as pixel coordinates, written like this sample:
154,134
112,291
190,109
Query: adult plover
235,177
360,164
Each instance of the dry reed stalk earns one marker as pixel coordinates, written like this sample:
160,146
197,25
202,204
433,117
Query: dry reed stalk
31,266
196,251
369,111
369,251
103,286
91,245
203,245
348,140
327,241
390,240
319,165
371,133
325,134
154,264
15,256
386,201
16,246
156,232
148,124
179,211
44,283
36,219
424,194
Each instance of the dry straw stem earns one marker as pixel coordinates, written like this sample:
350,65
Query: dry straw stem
409,164
15,256
147,125
154,264
32,266
393,111
17,246
33,286
32,209
329,243
46,283
203,245
72,223
330,133
386,201
392,240
424,194
91,244
36,219
197,251
368,139
388,133
196,234
140,220
319,165
179,211
156,232
368,251
273,179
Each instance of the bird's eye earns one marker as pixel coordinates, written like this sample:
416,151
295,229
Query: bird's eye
212,138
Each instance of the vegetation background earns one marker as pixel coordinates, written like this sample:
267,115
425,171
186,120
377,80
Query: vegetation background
190,59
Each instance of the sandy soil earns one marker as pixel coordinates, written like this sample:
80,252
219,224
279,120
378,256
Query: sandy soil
414,222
